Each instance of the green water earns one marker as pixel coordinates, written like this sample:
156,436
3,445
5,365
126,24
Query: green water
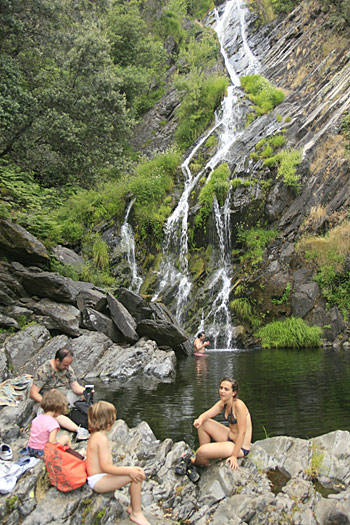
302,393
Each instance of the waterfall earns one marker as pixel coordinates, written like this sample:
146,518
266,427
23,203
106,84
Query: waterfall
127,244
229,125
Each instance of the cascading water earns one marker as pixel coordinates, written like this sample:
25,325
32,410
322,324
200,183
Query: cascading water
127,245
229,125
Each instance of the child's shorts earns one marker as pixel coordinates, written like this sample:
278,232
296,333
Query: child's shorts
92,480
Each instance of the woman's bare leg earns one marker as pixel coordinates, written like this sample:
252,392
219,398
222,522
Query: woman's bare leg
212,430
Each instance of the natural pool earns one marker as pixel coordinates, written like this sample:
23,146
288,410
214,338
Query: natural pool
300,393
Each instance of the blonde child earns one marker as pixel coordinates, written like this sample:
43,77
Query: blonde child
44,427
103,476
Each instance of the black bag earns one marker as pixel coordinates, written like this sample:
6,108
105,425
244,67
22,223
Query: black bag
79,413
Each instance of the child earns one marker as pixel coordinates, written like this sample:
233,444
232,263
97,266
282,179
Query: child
44,427
103,476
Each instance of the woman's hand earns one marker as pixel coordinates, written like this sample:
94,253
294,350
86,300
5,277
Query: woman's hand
232,461
197,422
137,474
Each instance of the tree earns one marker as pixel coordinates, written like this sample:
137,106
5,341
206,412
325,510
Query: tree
62,113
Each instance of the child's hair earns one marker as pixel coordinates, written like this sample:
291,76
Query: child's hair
101,416
54,401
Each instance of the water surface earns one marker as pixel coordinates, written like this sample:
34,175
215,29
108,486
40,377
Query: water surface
303,393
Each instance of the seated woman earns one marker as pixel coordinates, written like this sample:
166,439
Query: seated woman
230,442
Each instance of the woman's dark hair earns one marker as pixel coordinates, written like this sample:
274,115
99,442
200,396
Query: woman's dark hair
233,382
64,352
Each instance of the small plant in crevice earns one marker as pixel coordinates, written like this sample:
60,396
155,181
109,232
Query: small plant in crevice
285,296
262,94
217,186
254,242
314,467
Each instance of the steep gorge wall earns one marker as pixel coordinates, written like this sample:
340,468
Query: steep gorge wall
302,56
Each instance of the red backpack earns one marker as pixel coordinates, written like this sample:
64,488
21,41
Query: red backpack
66,468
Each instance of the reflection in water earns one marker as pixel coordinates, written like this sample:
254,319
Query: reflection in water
201,367
301,393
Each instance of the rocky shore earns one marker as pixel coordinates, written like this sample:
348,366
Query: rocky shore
284,480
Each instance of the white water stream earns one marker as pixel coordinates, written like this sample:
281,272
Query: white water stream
231,30
127,243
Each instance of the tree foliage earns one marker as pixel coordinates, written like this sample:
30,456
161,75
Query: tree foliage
62,113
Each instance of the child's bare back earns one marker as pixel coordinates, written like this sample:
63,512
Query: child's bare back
103,476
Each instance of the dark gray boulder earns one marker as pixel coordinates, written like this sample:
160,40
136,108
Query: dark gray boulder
134,303
49,284
68,257
92,298
164,334
65,317
122,319
19,244
99,322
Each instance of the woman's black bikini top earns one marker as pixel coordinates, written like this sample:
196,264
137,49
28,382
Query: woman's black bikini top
230,418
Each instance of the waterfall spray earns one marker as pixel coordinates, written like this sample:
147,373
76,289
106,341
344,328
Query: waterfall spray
229,125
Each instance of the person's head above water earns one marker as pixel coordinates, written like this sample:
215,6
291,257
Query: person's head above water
233,383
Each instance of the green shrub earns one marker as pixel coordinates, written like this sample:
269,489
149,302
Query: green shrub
289,160
264,96
211,142
218,186
199,8
31,205
290,333
241,307
199,52
346,130
335,286
203,94
254,241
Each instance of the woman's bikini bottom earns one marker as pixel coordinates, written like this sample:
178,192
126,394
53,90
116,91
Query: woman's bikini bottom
244,450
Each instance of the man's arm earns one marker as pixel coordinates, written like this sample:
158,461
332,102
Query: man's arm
35,393
77,389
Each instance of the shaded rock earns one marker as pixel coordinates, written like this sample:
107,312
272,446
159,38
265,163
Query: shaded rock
4,373
164,333
68,257
303,299
13,418
64,317
50,285
92,299
19,244
122,319
21,347
94,320
134,303
8,322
